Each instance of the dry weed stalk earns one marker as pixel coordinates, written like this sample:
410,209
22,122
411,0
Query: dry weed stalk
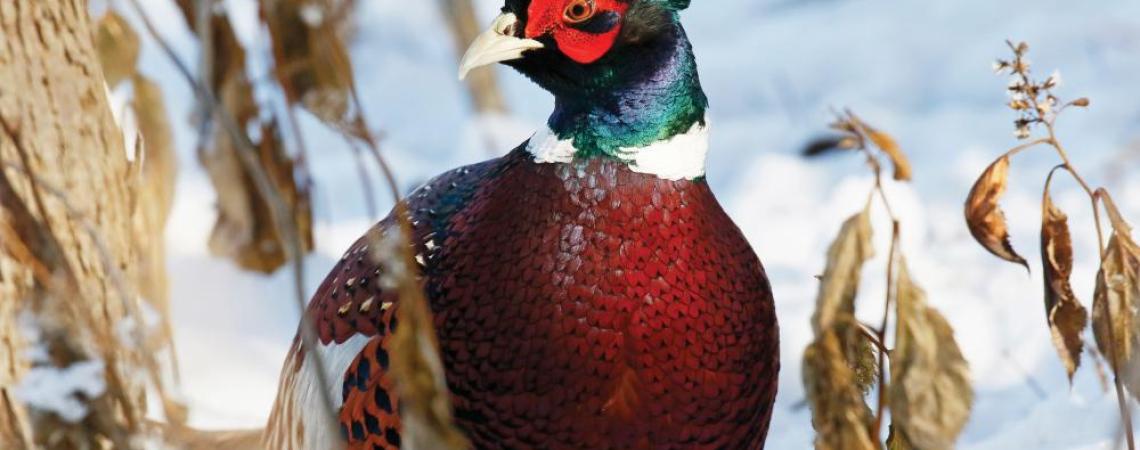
928,393
1117,293
67,334
281,212
314,71
79,240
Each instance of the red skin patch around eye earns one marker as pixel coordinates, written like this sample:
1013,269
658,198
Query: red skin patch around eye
546,16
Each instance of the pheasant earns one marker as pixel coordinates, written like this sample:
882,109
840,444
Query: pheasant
587,288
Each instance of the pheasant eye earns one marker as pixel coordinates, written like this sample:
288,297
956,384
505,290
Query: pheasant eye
578,11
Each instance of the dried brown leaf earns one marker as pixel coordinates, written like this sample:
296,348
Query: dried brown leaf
1119,225
1117,300
886,143
118,47
897,441
930,393
312,61
840,415
1067,317
245,230
835,304
1114,306
984,217
840,280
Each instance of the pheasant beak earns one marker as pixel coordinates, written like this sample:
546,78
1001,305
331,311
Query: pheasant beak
497,44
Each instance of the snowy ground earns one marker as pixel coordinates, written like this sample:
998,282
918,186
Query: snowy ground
773,70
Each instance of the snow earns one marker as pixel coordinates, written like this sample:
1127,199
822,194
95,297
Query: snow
774,70
60,390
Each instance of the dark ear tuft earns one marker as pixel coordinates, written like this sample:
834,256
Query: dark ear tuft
678,4
646,20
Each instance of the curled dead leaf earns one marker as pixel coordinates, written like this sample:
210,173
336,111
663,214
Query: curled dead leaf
840,416
856,134
888,145
984,217
1067,317
930,393
884,142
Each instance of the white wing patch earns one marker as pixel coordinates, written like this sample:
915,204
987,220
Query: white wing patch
299,420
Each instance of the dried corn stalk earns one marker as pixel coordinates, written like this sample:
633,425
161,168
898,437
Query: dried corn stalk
68,239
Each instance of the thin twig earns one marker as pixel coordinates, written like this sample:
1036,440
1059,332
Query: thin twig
872,335
1026,146
881,332
1029,380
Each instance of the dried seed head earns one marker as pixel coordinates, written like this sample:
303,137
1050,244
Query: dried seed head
1021,127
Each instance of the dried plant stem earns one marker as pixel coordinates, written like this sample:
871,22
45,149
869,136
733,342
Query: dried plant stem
1098,364
881,332
281,212
877,171
1121,399
1027,146
1029,380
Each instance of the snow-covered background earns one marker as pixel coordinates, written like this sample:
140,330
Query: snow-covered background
773,69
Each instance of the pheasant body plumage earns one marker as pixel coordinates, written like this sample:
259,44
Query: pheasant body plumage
586,296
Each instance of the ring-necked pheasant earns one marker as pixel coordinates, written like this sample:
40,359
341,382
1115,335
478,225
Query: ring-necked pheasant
588,290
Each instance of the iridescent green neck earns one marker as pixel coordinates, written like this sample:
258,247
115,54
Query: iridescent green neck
653,98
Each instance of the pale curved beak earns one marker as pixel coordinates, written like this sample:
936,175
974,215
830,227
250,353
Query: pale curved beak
497,44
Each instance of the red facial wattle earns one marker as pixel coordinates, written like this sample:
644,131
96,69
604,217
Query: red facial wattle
549,17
